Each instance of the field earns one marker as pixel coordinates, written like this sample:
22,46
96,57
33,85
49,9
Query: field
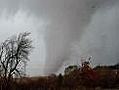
98,78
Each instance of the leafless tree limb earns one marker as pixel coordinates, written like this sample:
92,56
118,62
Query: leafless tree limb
14,54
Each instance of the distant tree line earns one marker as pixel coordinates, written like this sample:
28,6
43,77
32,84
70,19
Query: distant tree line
14,55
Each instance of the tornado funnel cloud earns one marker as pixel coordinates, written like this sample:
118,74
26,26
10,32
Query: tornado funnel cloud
82,28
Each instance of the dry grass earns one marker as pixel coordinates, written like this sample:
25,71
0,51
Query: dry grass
96,79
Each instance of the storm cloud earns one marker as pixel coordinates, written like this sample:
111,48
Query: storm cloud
64,30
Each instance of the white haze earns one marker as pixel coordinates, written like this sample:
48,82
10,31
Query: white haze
21,22
63,31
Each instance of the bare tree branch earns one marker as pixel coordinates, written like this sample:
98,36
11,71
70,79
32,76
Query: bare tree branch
14,54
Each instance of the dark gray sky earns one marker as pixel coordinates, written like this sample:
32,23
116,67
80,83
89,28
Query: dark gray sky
63,31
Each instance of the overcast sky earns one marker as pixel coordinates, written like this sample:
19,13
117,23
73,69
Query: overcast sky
63,31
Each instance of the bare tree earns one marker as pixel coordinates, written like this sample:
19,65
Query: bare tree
14,54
